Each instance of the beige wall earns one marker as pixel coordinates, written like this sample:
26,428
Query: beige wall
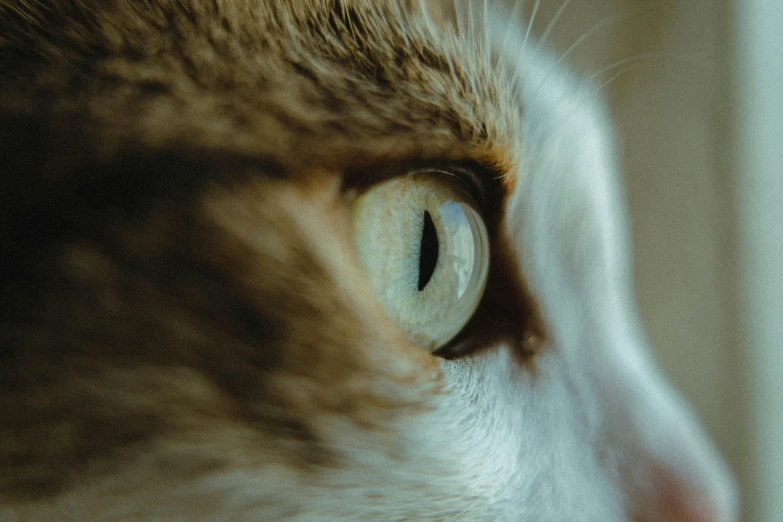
674,114
674,119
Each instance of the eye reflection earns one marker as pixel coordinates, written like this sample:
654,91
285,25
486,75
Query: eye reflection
463,243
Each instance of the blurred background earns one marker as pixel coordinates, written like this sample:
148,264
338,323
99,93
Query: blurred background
695,88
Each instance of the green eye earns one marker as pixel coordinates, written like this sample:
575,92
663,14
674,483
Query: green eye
426,249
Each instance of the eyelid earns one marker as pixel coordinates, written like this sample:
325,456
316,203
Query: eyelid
477,180
473,184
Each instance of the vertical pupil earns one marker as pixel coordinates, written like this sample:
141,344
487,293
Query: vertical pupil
429,251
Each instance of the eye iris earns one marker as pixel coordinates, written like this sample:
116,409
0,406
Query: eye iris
425,246
428,258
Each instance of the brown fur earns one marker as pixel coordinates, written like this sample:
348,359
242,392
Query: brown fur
169,172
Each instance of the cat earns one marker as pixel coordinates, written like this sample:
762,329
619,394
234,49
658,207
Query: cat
320,260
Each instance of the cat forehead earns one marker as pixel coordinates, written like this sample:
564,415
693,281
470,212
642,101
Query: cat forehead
313,83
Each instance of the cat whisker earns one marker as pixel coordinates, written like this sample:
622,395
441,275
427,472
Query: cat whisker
549,28
603,23
472,20
487,43
530,25
643,56
518,69
632,62
514,16
614,77
552,23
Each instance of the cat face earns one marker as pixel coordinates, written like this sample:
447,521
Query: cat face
211,212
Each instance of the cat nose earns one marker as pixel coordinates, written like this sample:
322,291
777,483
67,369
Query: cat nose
667,466
671,470
674,498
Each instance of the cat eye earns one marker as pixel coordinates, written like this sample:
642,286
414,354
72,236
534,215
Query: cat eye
425,246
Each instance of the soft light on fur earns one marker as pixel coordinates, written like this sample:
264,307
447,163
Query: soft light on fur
185,329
